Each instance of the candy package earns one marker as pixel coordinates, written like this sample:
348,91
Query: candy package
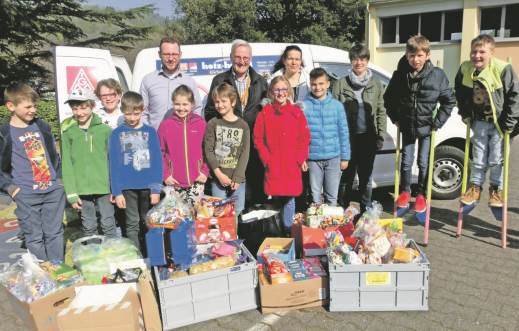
209,206
169,211
276,270
26,280
63,274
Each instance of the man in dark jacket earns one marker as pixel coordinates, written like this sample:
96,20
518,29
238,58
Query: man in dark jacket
252,88
411,99
362,96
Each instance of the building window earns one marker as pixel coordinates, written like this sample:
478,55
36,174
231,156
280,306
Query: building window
389,30
500,22
436,26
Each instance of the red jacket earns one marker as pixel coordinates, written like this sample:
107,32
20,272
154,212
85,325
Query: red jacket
281,137
181,145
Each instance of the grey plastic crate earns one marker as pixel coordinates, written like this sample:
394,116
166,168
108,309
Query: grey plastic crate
209,295
382,287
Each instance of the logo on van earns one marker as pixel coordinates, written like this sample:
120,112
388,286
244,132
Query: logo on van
80,78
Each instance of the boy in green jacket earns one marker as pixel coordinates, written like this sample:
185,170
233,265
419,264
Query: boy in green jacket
85,165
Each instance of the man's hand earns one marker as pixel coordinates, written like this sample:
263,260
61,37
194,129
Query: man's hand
154,198
201,178
171,181
120,201
78,204
344,165
304,166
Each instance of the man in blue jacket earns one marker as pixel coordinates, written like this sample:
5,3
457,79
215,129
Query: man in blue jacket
330,144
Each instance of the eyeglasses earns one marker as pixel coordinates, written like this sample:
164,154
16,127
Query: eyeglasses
168,55
108,96
280,91
244,59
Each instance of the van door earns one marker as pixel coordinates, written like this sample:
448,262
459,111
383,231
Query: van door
124,73
79,68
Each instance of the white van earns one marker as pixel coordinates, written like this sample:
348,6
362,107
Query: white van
84,67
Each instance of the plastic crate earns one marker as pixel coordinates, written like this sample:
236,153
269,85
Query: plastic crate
201,297
382,287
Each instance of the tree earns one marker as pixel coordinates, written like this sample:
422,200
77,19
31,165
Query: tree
335,23
209,21
28,29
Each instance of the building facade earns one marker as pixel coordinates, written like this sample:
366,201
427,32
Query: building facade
450,25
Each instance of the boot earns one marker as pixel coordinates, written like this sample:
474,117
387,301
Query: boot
495,197
472,195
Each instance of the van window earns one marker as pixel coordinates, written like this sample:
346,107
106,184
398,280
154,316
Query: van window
122,79
339,70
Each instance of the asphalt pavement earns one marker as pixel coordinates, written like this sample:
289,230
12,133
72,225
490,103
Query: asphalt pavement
473,285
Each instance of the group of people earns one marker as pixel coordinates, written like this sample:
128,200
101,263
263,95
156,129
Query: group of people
253,140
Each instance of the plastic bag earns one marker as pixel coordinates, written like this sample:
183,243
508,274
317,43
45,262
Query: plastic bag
26,280
169,212
93,255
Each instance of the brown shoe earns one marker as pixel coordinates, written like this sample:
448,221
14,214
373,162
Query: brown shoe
472,195
495,197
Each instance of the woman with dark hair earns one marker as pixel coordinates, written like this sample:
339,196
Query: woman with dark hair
290,65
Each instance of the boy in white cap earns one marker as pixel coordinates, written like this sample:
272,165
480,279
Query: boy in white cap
85,164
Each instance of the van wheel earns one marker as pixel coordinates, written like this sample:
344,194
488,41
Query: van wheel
447,172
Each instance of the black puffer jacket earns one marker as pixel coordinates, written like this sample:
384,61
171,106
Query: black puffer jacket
411,101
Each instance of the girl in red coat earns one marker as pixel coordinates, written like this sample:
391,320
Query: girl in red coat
281,137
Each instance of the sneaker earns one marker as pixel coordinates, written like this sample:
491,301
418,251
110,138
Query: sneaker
472,195
495,197
420,204
403,199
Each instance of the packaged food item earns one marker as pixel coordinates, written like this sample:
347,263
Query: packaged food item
26,280
218,263
276,270
63,274
209,206
314,267
297,270
169,212
405,255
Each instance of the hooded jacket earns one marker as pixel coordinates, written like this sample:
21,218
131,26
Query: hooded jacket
85,159
328,128
502,87
281,137
181,145
412,101
6,145
303,86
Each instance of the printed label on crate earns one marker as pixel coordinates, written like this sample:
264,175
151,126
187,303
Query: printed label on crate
378,278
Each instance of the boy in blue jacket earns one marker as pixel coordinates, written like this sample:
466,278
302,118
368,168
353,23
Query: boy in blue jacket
330,144
135,166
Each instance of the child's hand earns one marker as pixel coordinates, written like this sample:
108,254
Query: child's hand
201,178
304,166
235,186
224,180
120,201
77,205
344,165
154,198
171,181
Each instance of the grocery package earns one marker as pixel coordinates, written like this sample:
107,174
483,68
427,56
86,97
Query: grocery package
93,255
63,274
379,242
323,216
276,271
170,211
209,206
26,280
281,248
215,229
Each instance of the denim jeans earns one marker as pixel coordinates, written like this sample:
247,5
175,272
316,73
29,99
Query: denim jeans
219,191
363,151
40,216
408,150
137,205
487,152
288,209
325,175
92,204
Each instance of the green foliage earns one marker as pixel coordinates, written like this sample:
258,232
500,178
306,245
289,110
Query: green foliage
46,111
29,28
335,23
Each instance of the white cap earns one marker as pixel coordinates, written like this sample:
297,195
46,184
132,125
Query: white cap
81,95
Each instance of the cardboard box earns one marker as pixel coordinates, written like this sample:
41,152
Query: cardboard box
41,314
295,295
214,229
118,309
285,243
312,241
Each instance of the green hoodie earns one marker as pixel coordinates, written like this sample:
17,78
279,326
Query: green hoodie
85,159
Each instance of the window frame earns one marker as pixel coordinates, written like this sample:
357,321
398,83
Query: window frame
501,36
397,32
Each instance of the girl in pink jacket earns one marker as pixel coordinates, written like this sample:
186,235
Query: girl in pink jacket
181,136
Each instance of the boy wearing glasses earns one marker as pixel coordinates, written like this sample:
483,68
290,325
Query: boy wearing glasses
84,149
109,91
330,142
157,86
